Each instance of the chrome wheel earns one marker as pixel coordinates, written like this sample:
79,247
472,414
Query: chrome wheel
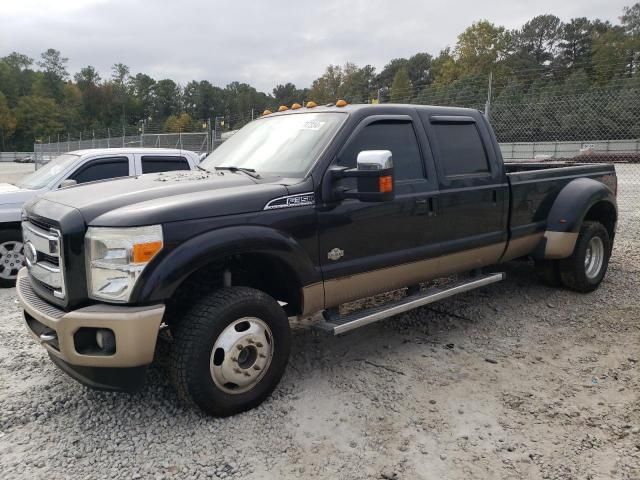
241,355
594,257
11,259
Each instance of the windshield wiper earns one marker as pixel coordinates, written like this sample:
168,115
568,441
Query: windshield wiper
249,171
203,169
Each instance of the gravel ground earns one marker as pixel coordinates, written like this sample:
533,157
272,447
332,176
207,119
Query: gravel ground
516,380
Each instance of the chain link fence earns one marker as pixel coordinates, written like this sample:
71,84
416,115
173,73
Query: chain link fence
535,118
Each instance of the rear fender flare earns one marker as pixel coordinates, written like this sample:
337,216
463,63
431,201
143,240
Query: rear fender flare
567,215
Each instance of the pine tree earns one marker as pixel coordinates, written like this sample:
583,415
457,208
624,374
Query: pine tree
401,87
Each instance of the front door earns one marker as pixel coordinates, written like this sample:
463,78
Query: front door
365,246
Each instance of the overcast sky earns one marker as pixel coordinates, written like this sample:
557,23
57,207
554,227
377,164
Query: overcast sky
259,42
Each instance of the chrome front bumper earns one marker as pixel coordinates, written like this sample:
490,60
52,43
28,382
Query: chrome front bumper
135,328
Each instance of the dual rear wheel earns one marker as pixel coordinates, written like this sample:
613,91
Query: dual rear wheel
584,270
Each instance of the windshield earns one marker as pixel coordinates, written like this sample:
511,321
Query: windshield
41,177
284,145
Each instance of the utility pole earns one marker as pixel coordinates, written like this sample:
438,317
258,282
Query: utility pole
487,106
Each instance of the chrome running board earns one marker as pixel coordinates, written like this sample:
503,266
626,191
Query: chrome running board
336,324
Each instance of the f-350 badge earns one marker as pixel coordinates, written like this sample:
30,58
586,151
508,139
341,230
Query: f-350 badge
335,254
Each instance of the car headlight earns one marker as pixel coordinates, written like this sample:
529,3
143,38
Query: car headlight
116,257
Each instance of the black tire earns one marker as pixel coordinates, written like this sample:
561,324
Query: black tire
196,333
548,271
11,239
573,271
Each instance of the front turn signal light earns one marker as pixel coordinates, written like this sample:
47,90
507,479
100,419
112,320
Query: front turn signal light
144,252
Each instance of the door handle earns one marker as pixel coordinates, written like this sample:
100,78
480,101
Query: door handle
494,197
426,204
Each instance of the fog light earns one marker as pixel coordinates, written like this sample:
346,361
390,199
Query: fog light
106,340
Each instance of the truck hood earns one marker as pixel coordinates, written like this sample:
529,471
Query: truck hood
10,194
166,197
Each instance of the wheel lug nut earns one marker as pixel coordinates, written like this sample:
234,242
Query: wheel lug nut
262,355
239,347
256,367
258,344
237,370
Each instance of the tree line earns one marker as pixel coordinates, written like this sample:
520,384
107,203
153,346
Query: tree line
590,65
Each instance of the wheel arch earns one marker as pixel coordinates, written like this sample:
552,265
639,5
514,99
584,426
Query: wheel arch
260,257
582,199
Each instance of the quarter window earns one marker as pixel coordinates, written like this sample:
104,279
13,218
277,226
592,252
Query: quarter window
461,149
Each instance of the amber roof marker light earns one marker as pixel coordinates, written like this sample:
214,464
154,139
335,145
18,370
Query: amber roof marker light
267,112
311,104
341,103
283,108
296,106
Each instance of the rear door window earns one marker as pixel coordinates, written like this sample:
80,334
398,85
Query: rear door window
461,149
155,164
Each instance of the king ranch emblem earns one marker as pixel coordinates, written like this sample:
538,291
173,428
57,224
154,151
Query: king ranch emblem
335,254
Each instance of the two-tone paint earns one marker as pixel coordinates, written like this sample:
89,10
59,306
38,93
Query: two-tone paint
434,226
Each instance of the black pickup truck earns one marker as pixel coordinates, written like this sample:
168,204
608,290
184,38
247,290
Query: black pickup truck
299,212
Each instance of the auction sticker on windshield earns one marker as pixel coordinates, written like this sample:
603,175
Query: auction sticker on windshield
312,125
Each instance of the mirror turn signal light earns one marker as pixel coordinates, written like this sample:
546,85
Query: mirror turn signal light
385,184
283,108
143,252
296,106
267,112
341,103
311,104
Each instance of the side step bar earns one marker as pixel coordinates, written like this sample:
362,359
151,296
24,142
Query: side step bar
337,324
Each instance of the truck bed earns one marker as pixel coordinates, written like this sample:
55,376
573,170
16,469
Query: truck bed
534,187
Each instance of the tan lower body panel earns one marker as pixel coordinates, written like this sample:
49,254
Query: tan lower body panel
559,244
135,328
362,285
519,247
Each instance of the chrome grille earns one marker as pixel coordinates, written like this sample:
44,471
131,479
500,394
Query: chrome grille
43,254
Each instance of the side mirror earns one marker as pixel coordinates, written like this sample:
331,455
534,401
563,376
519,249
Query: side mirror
68,183
374,174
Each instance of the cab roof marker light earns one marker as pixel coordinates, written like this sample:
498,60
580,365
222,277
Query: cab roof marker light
311,104
283,108
267,112
296,106
341,103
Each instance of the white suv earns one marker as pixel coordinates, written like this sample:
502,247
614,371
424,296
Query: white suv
73,168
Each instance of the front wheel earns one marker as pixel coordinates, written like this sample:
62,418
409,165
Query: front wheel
11,256
230,350
584,270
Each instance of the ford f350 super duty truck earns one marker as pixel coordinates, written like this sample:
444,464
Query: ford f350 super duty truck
297,213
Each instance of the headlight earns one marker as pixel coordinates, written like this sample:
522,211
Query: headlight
116,257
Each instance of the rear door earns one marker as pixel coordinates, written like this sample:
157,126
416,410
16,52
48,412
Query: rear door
156,163
473,188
